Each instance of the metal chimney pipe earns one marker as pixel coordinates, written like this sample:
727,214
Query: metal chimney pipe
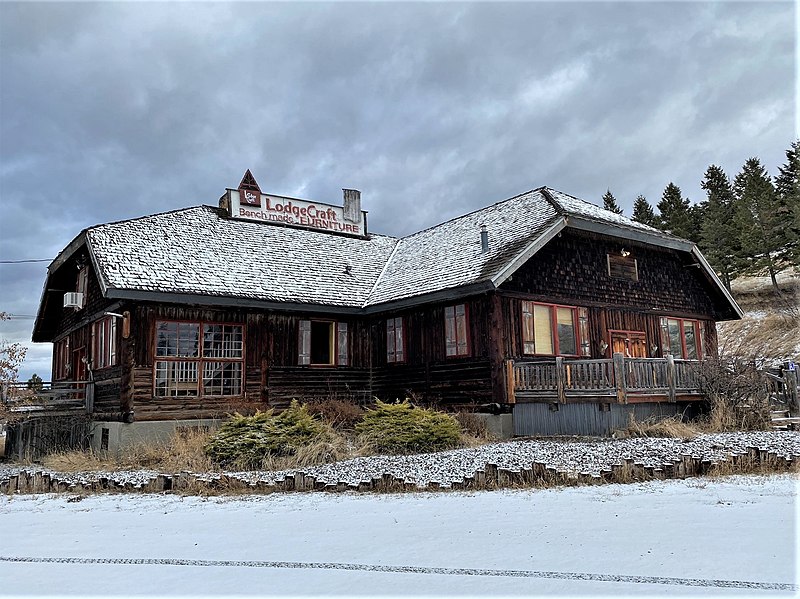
484,239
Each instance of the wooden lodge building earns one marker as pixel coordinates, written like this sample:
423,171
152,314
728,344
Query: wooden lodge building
542,306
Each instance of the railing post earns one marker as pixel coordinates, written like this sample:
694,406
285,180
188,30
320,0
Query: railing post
562,396
89,396
671,377
619,378
790,388
511,386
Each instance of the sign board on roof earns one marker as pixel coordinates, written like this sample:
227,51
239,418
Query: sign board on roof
255,206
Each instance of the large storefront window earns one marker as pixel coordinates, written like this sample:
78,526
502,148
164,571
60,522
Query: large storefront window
195,358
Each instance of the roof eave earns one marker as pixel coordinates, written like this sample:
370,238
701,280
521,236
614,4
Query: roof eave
713,276
434,296
227,301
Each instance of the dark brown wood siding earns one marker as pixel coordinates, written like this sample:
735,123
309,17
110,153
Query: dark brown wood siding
428,375
573,269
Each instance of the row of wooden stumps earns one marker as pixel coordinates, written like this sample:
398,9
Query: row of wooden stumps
492,477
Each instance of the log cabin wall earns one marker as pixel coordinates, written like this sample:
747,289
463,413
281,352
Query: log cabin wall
427,374
284,378
272,373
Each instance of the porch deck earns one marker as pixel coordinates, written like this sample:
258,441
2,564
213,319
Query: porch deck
618,379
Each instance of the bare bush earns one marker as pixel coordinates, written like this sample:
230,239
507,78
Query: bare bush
336,412
670,427
737,392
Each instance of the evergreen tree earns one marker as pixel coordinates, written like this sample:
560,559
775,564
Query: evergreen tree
718,235
697,213
761,235
643,212
610,202
674,213
787,188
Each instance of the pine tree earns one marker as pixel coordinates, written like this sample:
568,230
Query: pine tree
610,202
674,213
643,212
718,236
757,220
787,188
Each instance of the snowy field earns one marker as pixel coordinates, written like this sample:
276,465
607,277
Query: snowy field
735,536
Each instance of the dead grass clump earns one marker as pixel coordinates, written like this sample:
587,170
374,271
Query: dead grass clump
336,412
670,427
182,451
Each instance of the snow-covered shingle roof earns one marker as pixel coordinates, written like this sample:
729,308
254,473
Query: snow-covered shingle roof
198,251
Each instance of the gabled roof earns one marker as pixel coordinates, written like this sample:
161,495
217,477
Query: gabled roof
199,254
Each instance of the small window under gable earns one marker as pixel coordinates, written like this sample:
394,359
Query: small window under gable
623,266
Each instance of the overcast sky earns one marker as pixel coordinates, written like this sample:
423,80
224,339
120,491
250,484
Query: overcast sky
111,111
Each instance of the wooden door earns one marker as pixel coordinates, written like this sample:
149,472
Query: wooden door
631,344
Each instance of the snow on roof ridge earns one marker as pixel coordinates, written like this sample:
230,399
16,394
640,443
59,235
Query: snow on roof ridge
470,213
210,208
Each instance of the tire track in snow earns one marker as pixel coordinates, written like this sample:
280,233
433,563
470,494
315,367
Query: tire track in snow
692,582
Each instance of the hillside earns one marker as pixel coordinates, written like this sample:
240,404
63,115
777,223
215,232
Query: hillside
771,325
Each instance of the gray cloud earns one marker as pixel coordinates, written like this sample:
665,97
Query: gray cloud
110,111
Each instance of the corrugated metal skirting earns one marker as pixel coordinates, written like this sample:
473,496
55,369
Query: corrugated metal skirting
584,418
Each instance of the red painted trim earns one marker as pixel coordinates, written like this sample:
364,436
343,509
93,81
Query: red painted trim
554,329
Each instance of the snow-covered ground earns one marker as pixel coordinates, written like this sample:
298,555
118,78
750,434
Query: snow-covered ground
735,536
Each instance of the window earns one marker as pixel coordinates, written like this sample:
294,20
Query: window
456,330
82,284
61,356
323,343
196,358
682,338
104,342
553,330
395,343
623,266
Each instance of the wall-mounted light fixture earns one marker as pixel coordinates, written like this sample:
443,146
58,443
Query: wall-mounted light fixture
624,253
603,347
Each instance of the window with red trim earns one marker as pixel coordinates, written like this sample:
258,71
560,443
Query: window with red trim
682,338
552,330
456,327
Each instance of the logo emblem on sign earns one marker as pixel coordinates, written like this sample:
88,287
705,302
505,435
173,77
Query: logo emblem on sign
249,191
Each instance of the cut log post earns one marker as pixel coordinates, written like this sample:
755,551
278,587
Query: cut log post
560,380
671,378
619,378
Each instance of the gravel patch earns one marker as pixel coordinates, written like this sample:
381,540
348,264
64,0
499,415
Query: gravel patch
589,457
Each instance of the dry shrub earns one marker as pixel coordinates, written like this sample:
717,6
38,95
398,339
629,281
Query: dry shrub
737,392
249,441
671,427
336,412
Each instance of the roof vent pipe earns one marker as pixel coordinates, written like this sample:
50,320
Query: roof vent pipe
484,239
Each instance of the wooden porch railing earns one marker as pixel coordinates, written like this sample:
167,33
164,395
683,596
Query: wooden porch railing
614,378
47,397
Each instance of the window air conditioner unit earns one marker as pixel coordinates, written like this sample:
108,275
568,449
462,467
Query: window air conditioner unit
73,300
